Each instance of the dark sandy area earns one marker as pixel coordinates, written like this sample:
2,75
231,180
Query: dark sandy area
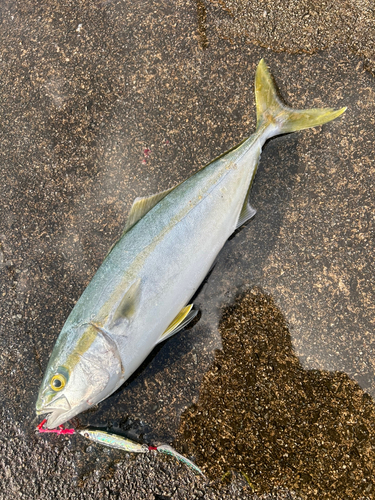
104,101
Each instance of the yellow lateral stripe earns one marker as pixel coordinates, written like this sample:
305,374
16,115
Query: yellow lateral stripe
81,347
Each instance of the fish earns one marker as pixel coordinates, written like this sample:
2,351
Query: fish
140,295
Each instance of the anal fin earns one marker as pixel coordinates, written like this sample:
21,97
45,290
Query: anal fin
247,211
181,320
246,214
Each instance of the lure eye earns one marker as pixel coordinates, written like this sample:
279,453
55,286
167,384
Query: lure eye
58,382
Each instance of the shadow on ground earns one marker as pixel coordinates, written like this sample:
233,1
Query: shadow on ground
262,414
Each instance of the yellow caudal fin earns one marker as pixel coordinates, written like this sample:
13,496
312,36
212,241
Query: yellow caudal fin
271,110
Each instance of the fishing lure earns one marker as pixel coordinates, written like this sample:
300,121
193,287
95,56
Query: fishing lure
113,440
125,444
121,443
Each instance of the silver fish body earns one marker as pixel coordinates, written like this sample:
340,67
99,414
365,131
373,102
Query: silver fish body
151,273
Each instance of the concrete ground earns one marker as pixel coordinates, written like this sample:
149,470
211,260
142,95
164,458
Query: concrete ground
104,101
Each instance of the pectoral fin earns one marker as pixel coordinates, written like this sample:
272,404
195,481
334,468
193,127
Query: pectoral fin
127,307
181,320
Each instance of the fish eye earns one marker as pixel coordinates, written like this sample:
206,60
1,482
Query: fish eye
58,382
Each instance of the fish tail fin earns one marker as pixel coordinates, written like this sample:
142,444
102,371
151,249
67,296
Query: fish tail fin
271,110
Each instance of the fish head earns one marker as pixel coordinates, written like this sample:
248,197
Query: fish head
85,367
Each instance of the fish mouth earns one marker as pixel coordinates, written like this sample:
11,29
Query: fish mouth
53,419
59,412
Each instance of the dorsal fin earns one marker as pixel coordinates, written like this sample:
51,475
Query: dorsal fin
141,206
139,209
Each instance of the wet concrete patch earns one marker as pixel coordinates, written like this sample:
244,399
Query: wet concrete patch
260,413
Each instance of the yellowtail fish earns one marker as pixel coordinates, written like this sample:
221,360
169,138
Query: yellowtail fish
140,294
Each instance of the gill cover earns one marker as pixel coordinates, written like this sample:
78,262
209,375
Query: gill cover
79,377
